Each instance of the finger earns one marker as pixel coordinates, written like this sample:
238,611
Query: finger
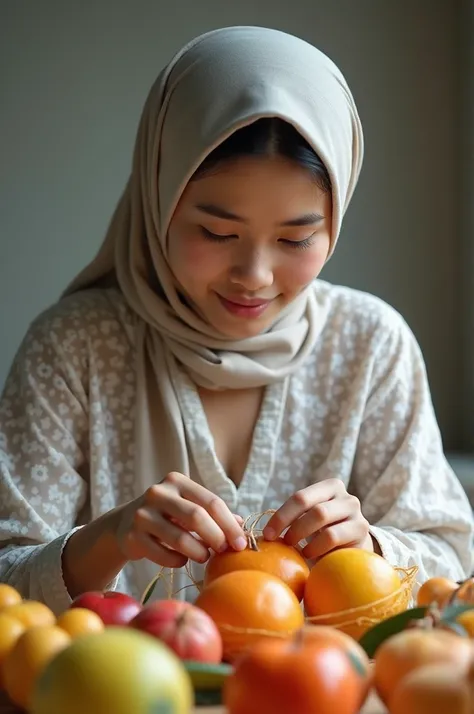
238,518
171,535
183,526
157,553
215,507
195,518
219,512
299,503
187,514
346,534
320,516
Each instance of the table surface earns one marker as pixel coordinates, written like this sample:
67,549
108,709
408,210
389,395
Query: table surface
372,706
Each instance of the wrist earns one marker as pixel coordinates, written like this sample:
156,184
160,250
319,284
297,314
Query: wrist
92,557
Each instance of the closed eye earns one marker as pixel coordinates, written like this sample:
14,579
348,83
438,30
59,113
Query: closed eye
301,244
223,238
216,236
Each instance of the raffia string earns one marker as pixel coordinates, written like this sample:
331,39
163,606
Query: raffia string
252,531
356,620
170,591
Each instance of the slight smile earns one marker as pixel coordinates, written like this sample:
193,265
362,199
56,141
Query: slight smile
244,308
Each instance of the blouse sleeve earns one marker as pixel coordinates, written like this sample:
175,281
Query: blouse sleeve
43,450
419,512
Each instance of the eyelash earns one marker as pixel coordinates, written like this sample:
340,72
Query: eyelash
214,236
295,244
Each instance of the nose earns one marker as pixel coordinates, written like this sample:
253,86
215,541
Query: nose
252,271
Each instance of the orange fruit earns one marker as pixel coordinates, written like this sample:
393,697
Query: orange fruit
466,619
406,651
295,675
350,578
435,590
26,660
323,633
31,613
80,621
247,605
274,557
432,689
465,591
118,671
10,631
8,596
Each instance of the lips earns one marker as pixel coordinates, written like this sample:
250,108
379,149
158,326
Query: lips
255,302
243,308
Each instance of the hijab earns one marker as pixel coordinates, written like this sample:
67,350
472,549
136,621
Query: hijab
219,82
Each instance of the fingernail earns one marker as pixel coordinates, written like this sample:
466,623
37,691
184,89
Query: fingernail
240,543
222,548
269,534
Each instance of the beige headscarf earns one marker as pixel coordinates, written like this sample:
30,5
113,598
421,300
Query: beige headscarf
219,82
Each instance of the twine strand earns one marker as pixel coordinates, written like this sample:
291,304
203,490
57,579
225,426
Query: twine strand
251,529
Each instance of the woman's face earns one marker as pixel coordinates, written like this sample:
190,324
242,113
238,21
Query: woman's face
246,239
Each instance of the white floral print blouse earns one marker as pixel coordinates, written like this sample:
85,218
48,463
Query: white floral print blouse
360,410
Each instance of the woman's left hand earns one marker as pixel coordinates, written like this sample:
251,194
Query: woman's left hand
326,516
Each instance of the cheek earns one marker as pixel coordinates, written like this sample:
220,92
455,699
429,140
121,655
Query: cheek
194,262
304,268
195,252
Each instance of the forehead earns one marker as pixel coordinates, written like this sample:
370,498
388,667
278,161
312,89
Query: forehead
251,180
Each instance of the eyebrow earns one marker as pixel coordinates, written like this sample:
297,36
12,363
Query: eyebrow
308,219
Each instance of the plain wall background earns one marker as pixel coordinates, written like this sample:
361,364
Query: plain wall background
74,77
466,205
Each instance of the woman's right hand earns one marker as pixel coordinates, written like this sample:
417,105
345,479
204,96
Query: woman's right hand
175,521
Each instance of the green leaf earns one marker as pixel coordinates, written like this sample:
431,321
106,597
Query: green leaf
208,698
373,638
207,677
150,590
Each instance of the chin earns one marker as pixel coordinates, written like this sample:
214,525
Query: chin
242,332
242,329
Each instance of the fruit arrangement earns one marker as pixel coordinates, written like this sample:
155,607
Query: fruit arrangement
95,658
266,634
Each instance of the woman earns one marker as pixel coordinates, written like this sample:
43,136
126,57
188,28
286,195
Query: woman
197,371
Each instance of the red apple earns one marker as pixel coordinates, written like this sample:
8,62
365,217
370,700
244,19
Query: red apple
112,607
185,628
